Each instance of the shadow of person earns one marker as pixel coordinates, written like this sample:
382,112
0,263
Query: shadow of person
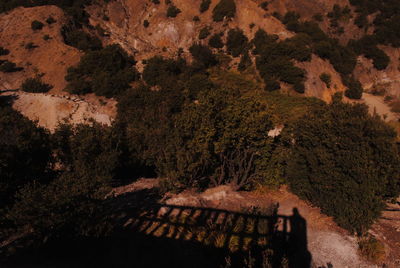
299,256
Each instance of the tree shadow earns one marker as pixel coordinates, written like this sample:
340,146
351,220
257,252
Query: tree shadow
150,234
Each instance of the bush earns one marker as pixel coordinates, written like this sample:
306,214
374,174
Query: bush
225,8
106,72
146,23
205,5
354,88
35,85
236,43
9,67
50,20
344,161
204,33
173,11
216,41
326,78
79,39
203,55
163,72
4,51
36,25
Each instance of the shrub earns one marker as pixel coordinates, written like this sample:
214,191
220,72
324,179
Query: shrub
146,23
155,2
35,85
264,5
50,20
4,51
106,72
203,55
173,11
236,42
354,88
205,5
9,67
225,8
46,37
204,33
344,161
36,25
326,78
163,72
216,41
79,39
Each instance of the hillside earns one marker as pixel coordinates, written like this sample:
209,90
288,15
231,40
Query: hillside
196,131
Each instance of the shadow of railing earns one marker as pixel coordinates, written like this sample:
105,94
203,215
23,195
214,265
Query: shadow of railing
150,234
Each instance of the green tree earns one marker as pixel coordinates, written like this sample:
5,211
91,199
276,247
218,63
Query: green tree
344,161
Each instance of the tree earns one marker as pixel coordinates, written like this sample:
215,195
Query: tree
215,41
203,55
173,11
106,72
25,153
219,140
205,5
326,78
237,42
224,9
344,161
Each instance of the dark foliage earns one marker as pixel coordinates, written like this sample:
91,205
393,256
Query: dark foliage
236,42
204,33
274,61
224,9
35,85
203,55
80,39
216,41
163,72
106,72
205,5
4,51
344,161
24,156
354,88
36,25
8,67
173,11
